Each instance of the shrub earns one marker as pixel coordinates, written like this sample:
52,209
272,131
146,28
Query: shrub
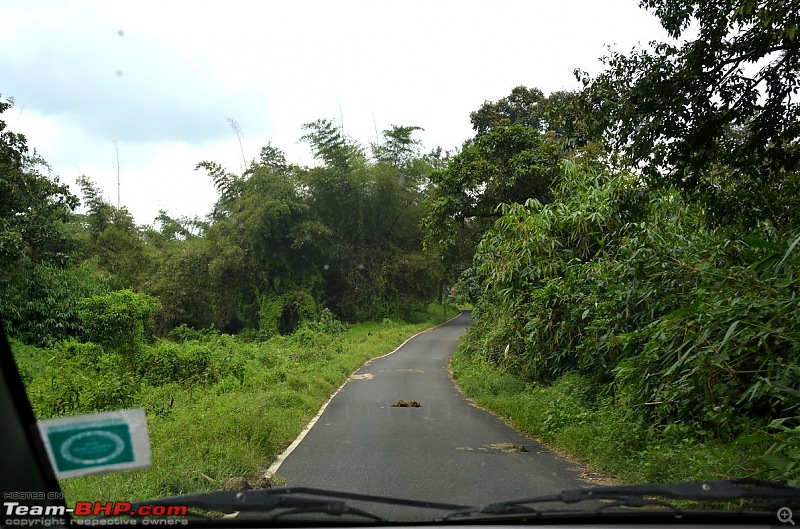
121,320
189,362
43,303
69,386
183,333
326,323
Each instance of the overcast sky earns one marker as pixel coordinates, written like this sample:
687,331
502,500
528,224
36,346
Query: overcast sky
162,78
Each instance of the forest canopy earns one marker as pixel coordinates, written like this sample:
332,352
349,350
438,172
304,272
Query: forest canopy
282,242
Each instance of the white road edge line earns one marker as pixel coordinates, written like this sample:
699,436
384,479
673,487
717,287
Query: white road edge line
273,468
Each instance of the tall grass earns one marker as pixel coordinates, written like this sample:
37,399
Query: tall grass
217,407
570,417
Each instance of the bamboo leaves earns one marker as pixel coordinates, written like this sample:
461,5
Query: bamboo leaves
680,323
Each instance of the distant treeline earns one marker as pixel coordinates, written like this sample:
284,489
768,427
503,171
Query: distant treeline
282,243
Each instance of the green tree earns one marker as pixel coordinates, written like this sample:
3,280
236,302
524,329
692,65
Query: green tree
343,234
178,229
182,283
42,307
112,235
261,244
715,115
33,206
564,113
371,211
228,186
508,164
524,106
34,242
398,147
514,156
330,145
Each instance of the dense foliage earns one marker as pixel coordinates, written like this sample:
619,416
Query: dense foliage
716,114
665,273
282,243
681,325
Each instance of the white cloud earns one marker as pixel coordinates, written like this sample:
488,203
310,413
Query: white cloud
187,66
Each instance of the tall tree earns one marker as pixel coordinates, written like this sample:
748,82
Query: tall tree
112,236
519,143
260,241
33,206
330,145
716,115
524,106
398,147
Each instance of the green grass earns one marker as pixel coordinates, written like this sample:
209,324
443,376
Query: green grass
231,422
567,417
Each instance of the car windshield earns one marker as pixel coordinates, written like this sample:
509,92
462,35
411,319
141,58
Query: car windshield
262,260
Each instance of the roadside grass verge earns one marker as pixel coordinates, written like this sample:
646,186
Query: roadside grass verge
217,408
593,430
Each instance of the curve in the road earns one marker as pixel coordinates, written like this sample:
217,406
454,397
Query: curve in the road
446,450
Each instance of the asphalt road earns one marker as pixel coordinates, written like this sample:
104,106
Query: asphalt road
447,450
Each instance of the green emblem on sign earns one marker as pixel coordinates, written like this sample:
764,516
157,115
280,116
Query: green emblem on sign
100,442
86,445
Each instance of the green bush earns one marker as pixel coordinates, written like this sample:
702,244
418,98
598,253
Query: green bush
284,314
121,320
183,333
170,362
188,362
42,305
326,323
86,355
269,315
74,385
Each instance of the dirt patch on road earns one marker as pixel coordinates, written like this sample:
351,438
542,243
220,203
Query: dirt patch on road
406,404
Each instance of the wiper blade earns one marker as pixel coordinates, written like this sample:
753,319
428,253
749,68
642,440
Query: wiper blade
284,501
727,490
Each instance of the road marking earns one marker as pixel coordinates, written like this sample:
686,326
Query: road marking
273,468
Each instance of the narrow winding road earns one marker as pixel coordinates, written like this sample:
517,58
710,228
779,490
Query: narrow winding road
447,450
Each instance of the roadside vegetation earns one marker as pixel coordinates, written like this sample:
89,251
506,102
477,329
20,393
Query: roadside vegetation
232,330
219,408
642,319
639,307
581,425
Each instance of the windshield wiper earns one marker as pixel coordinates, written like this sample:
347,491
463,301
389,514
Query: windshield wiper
284,501
728,490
